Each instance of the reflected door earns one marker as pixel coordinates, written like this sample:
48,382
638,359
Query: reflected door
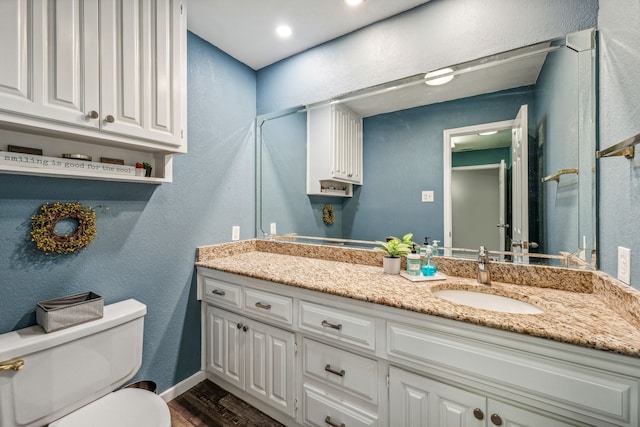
520,192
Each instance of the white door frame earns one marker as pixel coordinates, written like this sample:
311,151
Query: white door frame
448,134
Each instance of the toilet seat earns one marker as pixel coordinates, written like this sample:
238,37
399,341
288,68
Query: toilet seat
129,407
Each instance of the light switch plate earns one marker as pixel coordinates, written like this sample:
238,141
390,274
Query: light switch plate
235,232
427,196
624,265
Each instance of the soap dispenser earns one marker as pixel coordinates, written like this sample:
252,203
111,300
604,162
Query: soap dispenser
429,267
413,263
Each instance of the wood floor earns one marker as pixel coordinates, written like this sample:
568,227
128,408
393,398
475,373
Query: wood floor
208,405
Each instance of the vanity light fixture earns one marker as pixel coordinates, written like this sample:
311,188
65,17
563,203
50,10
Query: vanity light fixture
283,31
432,78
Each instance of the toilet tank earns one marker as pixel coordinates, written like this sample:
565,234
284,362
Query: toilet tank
66,369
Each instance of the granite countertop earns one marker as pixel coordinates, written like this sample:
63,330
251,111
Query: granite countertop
579,307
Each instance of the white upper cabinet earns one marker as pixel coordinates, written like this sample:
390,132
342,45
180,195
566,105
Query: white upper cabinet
334,150
106,72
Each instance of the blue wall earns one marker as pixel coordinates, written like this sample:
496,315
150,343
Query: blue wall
402,156
619,179
146,241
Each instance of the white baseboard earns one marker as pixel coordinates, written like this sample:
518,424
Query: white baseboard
184,385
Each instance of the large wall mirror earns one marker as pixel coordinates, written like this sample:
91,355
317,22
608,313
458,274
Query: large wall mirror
506,146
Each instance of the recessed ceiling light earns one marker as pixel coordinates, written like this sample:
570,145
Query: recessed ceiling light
432,78
491,132
283,31
353,2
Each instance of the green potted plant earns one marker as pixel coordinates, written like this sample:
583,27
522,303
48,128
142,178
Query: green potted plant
394,248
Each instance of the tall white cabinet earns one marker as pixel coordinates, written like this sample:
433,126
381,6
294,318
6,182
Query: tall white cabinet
334,150
107,73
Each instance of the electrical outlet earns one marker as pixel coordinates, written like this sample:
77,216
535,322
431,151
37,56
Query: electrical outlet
624,264
272,228
427,196
235,232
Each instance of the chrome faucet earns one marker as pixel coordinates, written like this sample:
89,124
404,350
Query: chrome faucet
484,270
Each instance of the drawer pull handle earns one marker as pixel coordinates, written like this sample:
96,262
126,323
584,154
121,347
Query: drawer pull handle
496,419
218,292
332,325
339,373
331,423
264,306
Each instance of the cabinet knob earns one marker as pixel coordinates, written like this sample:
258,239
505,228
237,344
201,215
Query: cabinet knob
245,328
478,414
109,119
331,423
93,114
496,419
239,325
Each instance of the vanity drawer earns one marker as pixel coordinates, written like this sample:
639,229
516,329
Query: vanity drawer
222,294
268,306
323,410
340,325
346,371
586,390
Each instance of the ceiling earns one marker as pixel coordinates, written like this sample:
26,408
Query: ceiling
245,29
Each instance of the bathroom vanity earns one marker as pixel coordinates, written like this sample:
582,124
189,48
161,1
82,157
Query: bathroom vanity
319,336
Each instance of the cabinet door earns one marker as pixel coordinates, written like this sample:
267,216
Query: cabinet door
51,57
503,414
225,341
270,367
141,69
347,145
416,401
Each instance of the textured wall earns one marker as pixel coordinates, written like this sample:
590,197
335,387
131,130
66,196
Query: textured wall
619,183
439,33
146,242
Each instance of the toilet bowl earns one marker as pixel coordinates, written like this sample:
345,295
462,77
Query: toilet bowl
124,408
67,378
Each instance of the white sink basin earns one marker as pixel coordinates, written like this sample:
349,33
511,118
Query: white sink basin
487,301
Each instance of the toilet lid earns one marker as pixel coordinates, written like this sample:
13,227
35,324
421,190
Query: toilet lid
129,407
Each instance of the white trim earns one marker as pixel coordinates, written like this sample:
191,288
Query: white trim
184,385
448,134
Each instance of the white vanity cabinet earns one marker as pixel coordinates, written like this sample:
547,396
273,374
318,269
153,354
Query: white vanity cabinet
334,150
108,73
354,363
251,355
418,401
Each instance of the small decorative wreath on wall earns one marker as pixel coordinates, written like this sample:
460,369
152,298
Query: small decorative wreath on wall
328,216
50,241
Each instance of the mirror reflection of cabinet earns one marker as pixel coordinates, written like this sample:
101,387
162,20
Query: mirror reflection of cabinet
334,151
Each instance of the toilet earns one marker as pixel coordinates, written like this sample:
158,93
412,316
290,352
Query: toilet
69,377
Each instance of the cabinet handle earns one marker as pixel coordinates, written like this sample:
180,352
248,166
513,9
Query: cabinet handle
218,292
245,328
264,306
331,423
239,325
109,119
478,414
339,373
496,419
331,325
93,114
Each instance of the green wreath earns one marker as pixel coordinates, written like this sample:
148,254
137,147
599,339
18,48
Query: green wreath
328,216
43,227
